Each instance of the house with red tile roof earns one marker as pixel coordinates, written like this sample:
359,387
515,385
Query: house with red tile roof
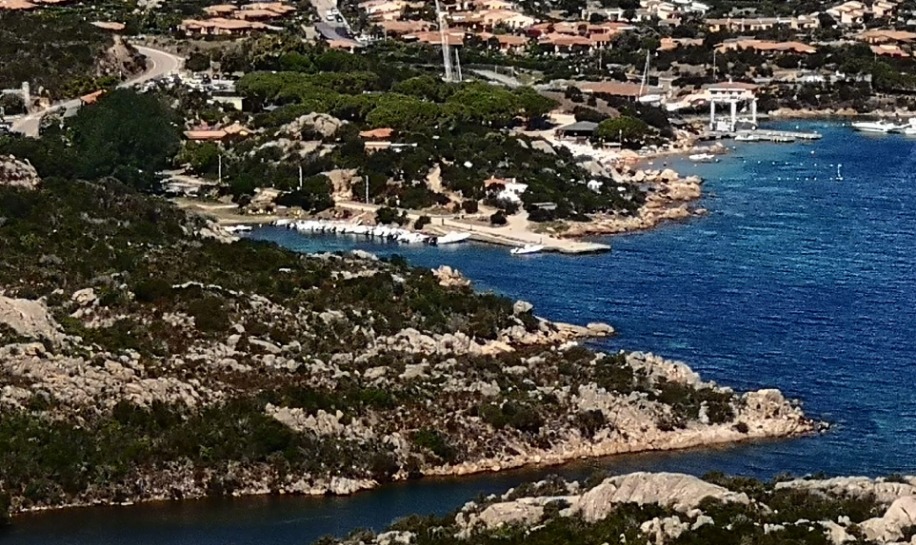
17,5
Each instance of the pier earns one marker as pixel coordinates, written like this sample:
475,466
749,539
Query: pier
761,135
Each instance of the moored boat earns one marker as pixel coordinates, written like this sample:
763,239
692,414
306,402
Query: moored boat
527,249
453,237
880,126
702,157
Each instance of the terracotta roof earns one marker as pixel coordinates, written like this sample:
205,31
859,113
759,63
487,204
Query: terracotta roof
16,5
220,9
348,45
504,39
383,133
670,44
277,7
432,37
603,38
617,88
889,50
404,27
511,39
224,24
237,129
876,35
109,25
93,97
202,135
246,14
767,45
566,40
210,133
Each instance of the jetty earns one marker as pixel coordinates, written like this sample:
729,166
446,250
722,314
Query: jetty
761,135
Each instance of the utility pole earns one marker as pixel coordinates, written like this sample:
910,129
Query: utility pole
458,65
714,64
300,177
367,189
443,37
220,167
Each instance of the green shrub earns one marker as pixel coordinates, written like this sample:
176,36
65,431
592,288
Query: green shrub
590,422
434,442
152,290
386,216
516,415
210,314
422,222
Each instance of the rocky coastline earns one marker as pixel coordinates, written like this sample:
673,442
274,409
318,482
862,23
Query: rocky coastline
214,366
664,508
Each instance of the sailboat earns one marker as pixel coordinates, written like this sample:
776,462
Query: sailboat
647,99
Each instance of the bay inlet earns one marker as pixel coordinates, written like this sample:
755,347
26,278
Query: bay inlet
795,280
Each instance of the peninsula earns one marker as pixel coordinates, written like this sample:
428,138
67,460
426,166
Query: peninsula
148,355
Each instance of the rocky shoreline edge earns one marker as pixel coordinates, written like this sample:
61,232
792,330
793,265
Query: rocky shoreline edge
215,369
661,508
766,415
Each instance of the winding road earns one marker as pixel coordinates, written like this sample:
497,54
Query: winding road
158,63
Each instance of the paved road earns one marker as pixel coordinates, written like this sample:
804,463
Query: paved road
158,63
504,79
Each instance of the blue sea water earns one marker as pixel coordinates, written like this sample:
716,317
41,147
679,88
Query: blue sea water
795,280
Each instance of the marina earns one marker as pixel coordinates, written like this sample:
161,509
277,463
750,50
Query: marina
521,244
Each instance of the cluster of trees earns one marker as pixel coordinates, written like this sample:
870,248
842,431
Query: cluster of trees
458,127
419,104
125,134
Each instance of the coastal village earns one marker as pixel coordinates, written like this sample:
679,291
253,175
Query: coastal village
154,349
626,86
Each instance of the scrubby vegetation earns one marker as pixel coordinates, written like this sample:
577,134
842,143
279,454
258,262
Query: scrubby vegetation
184,366
464,129
58,53
128,135
775,515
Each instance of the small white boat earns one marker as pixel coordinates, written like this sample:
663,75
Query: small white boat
527,249
702,157
747,138
453,237
238,228
881,126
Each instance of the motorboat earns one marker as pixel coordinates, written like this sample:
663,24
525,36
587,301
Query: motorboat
880,126
527,249
238,228
453,237
702,157
747,138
